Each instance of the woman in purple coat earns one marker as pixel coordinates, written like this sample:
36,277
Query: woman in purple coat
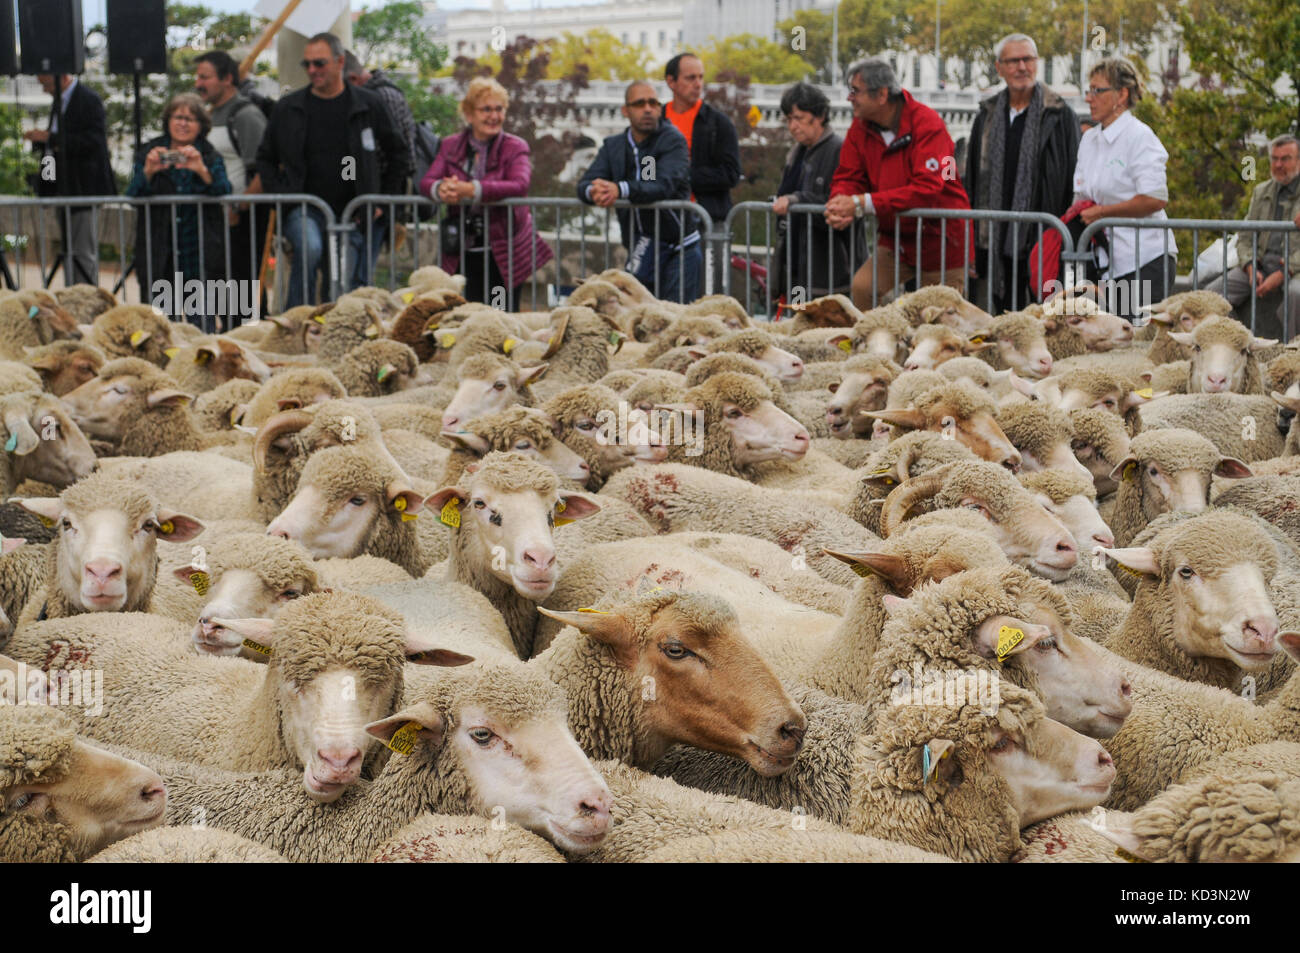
484,164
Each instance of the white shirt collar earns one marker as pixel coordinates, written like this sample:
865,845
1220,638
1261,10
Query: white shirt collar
1117,128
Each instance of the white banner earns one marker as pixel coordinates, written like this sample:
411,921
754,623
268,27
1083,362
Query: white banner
311,17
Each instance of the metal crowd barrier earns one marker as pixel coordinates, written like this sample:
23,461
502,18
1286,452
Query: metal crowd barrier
591,222
219,284
1226,228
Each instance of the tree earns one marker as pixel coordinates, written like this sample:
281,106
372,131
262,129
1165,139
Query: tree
762,60
603,55
396,33
866,28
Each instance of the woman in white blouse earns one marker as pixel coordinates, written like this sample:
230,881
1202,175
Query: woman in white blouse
1121,167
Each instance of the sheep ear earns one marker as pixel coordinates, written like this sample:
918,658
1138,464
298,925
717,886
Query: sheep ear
183,573
1290,642
910,419
1002,636
1183,337
85,329
138,338
1137,559
1258,344
472,442
427,723
1284,400
1117,828
177,527
696,353
46,362
1162,317
205,353
531,375
281,321
557,337
9,544
1125,469
289,403
842,341
168,395
574,507
833,386
1047,390
892,569
445,658
892,604
607,628
21,438
930,312
1233,469
257,630
439,501
46,507
937,763
403,499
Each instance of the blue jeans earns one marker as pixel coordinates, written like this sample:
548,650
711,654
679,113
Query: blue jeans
305,229
664,261
358,267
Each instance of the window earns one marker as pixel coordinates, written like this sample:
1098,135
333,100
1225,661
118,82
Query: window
624,39
916,72
663,38
1047,71
645,38
967,71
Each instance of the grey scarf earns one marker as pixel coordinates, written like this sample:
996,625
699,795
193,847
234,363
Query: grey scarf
993,158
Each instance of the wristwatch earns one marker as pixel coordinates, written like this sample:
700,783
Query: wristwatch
859,207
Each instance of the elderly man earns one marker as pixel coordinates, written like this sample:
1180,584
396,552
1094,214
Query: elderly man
1023,149
648,162
1278,199
900,149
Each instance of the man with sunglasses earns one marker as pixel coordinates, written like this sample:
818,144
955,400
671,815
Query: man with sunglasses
1023,149
649,162
326,139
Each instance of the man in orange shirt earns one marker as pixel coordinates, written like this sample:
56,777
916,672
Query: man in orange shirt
711,141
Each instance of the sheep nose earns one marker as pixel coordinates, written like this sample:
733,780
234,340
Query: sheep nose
153,792
449,421
584,466
277,531
1125,688
1104,539
103,570
801,436
1216,381
1104,759
1066,546
541,558
1043,365
912,365
794,731
1262,631
834,411
595,807
340,759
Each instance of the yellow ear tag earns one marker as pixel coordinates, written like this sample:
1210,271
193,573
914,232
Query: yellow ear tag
508,345
45,521
550,342
399,503
166,527
256,647
407,517
172,352
447,340
976,339
408,297
861,570
319,318
1128,471
1144,392
596,611
200,581
202,357
403,740
1131,572
450,514
560,507
846,346
136,336
234,411
1122,854
1008,638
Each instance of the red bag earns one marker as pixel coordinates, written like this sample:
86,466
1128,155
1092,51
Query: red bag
1051,247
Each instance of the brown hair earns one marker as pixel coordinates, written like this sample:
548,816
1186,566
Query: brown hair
1121,74
196,108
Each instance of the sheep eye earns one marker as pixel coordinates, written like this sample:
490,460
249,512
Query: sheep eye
358,501
499,385
524,445
290,594
21,801
585,425
1152,471
1186,572
734,414
479,504
1196,348
1109,402
675,651
481,736
66,523
120,389
1046,645
645,405
1004,744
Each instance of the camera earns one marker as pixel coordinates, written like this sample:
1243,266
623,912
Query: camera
171,157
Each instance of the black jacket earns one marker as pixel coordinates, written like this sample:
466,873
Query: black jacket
86,170
1058,151
668,177
814,187
282,164
715,161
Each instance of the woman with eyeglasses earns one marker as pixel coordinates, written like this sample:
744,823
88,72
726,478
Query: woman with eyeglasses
1121,167
495,248
179,162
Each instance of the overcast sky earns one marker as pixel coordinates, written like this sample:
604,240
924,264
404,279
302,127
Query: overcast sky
93,10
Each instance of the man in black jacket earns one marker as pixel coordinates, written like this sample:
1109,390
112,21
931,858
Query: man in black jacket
1021,157
75,163
711,142
648,162
325,139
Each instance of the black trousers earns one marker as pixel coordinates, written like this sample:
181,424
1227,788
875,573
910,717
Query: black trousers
1154,282
471,266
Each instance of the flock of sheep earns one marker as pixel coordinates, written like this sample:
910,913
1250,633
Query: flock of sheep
402,578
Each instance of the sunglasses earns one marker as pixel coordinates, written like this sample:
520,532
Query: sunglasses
1098,90
642,103
319,64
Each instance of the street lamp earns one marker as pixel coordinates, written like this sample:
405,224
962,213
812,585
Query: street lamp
835,44
938,58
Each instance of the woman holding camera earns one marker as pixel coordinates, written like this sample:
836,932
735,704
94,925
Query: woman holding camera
179,162
482,163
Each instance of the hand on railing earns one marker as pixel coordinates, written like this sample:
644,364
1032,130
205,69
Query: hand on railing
839,211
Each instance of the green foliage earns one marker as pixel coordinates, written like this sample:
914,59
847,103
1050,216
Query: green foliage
866,28
600,53
762,60
392,33
17,161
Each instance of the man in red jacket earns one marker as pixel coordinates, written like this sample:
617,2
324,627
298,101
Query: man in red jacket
898,156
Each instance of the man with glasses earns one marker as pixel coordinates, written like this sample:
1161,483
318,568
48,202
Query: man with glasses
1023,149
325,139
648,162
1275,200
898,156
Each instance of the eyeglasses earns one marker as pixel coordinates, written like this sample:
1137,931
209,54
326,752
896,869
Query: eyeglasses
1098,90
178,117
855,92
1019,61
319,64
492,109
642,103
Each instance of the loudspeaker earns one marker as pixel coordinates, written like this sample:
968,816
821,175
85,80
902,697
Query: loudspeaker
137,36
8,40
52,40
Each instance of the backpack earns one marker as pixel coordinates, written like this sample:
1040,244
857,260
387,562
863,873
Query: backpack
426,150
249,91
230,122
